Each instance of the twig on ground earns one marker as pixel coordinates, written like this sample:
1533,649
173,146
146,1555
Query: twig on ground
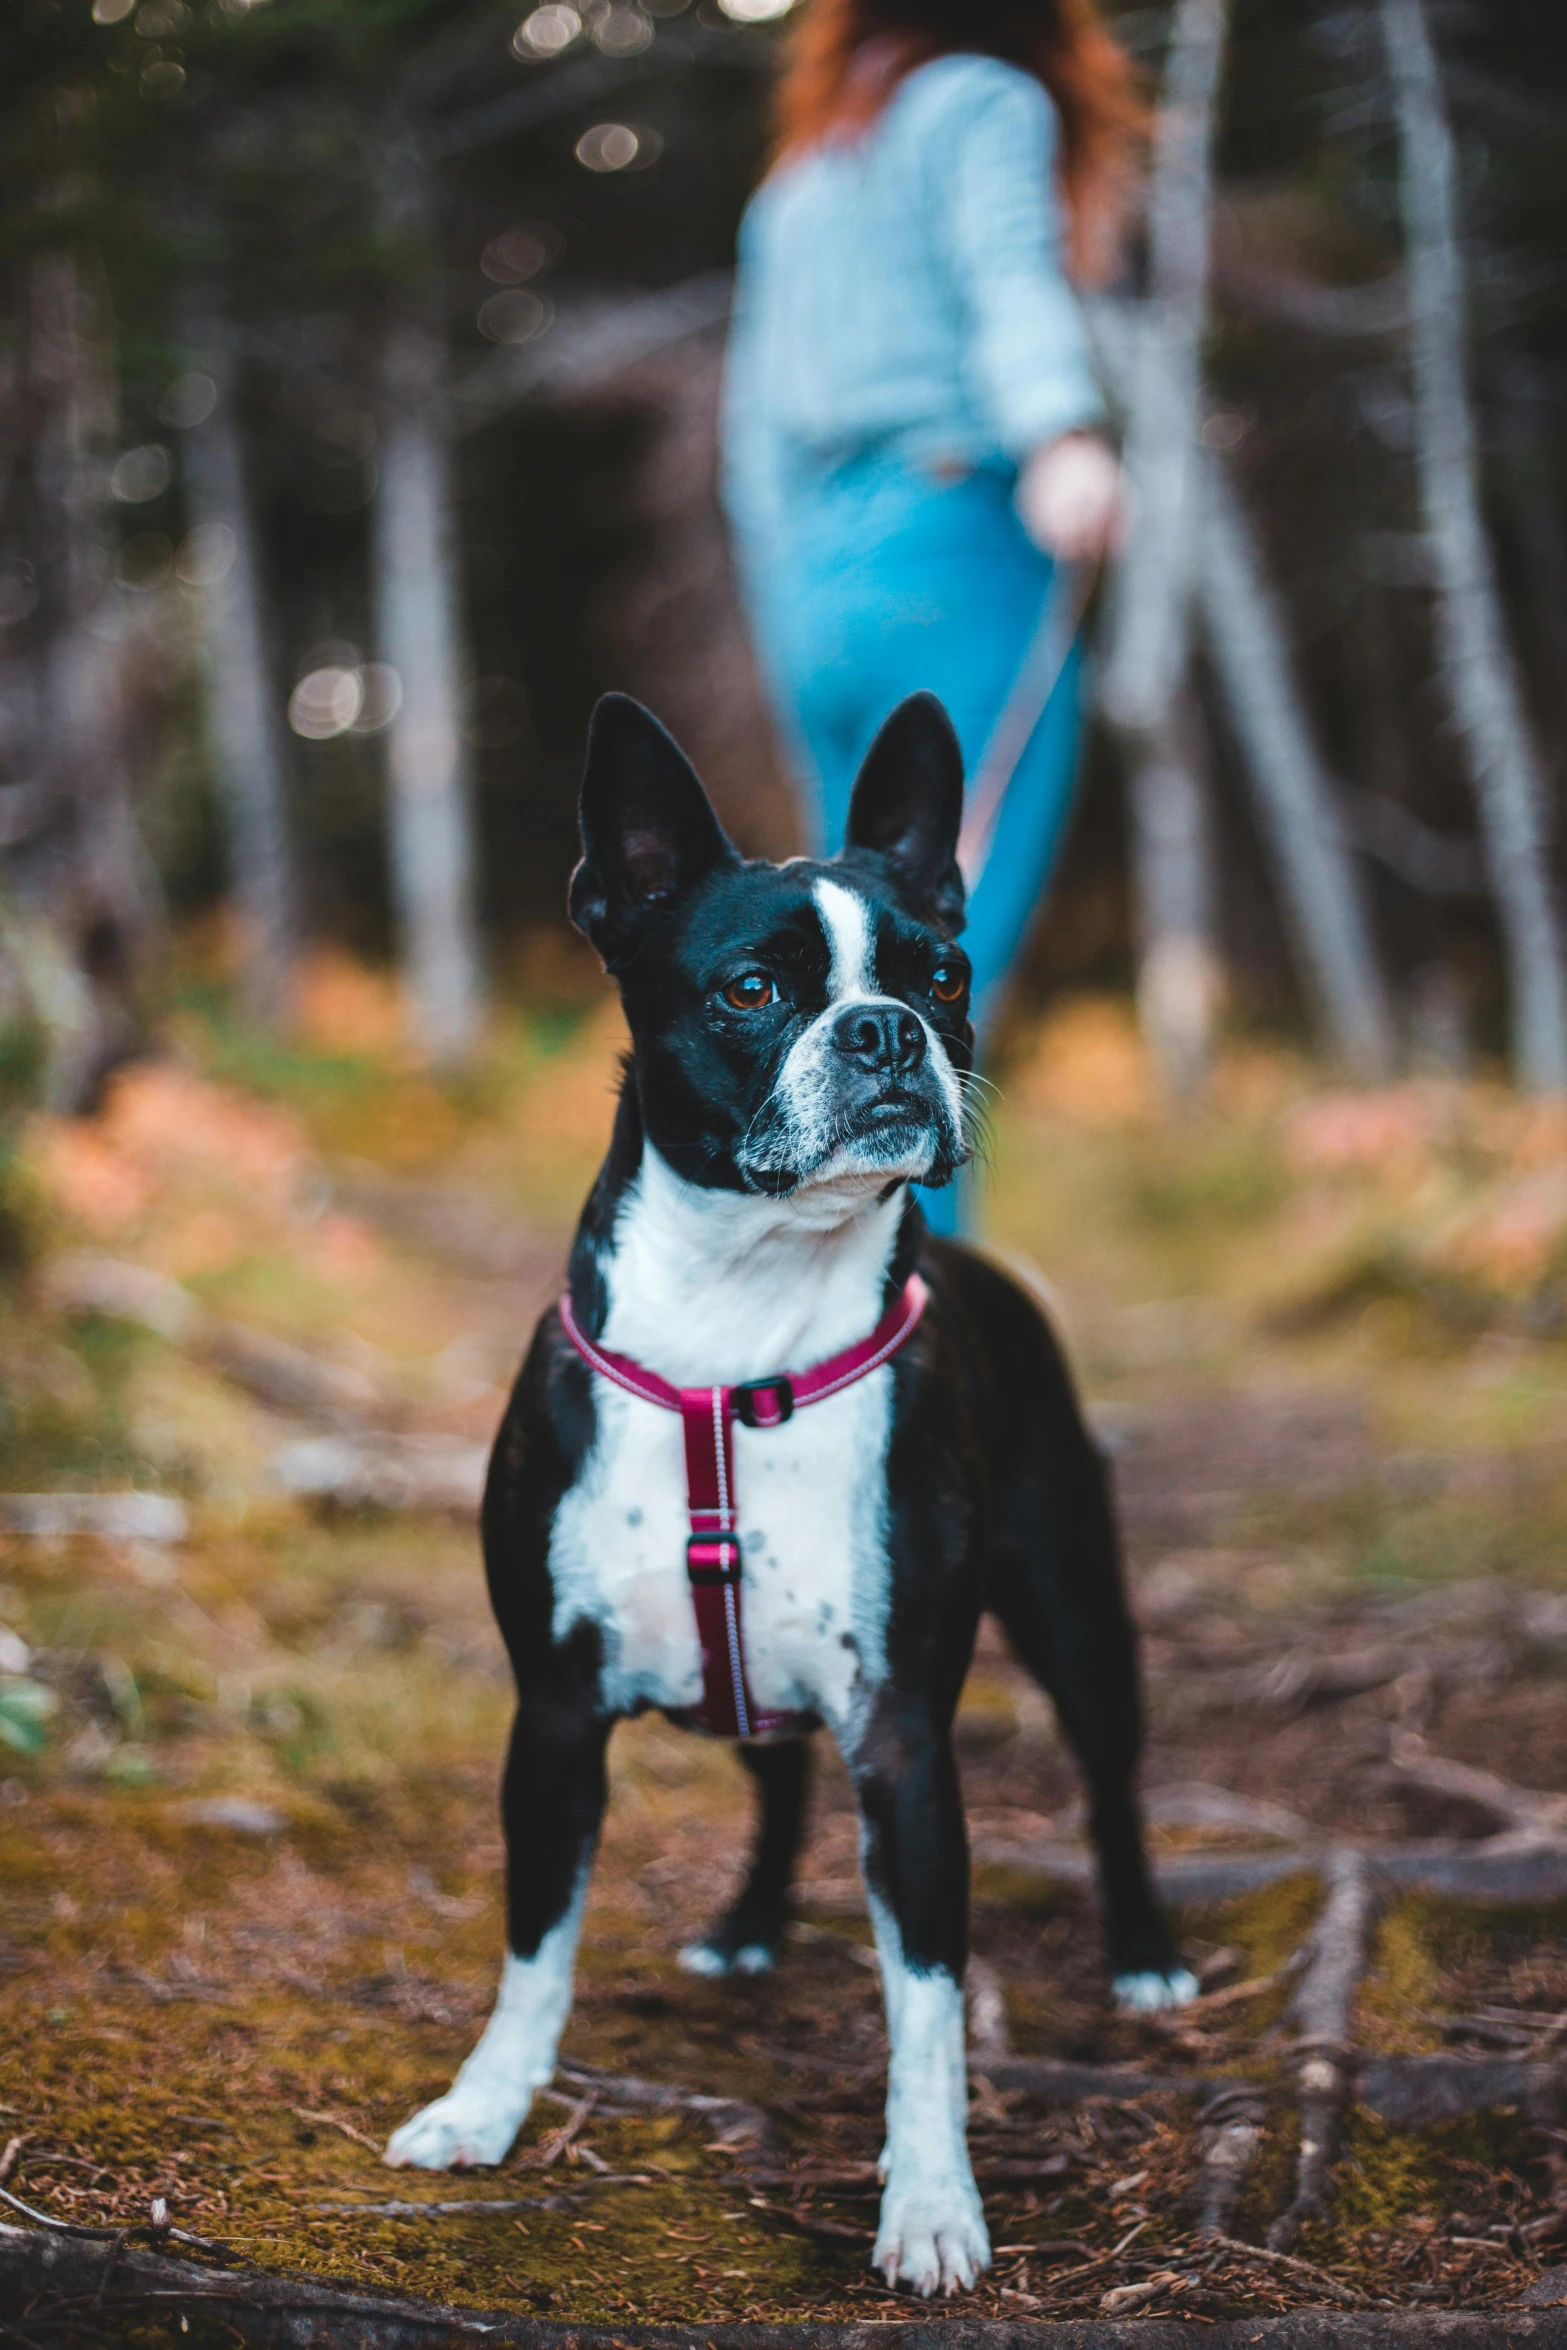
1324,2007
330,2121
13,2147
1051,2248
1348,2294
735,2123
831,2231
160,2232
468,2205
549,2150
1104,2259
1511,1807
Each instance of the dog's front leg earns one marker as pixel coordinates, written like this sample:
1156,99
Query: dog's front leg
915,1856
552,1802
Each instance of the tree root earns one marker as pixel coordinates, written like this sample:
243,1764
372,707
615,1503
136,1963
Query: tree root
1520,1865
1323,2006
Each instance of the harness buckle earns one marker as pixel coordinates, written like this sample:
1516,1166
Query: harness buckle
713,1558
763,1403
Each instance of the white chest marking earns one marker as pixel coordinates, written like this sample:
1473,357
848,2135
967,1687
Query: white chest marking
719,1287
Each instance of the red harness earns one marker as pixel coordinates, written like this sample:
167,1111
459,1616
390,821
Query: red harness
708,1415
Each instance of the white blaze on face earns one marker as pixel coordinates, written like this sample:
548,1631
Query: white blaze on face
800,1134
846,920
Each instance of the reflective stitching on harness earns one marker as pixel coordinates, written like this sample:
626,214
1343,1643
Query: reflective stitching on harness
736,1660
719,1461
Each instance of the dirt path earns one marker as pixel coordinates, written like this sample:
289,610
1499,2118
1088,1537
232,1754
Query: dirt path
251,1906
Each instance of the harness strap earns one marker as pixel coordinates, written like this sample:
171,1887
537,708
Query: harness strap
713,1564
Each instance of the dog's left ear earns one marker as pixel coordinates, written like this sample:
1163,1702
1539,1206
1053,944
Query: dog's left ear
649,833
907,804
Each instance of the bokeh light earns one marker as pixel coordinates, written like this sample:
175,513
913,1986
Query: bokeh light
515,316
141,474
520,252
615,146
620,31
546,32
325,703
111,11
755,11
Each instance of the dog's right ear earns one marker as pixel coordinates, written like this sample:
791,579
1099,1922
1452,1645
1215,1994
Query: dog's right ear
649,833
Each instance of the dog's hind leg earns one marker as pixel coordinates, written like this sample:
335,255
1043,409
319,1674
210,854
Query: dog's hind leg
1056,1587
747,1939
552,1801
931,2232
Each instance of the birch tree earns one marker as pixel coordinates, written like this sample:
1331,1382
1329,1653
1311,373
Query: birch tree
418,629
1150,643
243,714
84,883
1248,643
1478,670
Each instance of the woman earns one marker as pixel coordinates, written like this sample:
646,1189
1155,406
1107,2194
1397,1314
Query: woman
912,427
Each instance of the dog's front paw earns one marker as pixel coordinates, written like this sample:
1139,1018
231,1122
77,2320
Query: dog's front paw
718,1957
466,2129
1150,1988
932,2235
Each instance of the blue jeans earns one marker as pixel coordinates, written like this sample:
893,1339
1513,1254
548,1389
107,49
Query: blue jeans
886,581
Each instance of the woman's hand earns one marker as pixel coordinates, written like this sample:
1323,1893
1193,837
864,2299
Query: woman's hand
1071,497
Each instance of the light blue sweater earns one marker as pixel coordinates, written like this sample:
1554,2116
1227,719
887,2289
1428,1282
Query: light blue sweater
903,292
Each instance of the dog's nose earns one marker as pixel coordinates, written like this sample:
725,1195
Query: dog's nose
883,1037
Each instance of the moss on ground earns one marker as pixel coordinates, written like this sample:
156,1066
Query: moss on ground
235,2016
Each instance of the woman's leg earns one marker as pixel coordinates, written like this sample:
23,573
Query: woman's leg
895,585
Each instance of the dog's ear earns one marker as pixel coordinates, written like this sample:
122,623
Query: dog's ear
649,833
907,804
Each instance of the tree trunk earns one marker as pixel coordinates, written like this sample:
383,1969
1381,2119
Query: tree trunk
1147,656
418,632
1150,605
83,882
1477,666
243,715
1249,645
1178,979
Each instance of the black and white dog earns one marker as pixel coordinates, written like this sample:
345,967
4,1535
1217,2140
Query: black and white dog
800,1050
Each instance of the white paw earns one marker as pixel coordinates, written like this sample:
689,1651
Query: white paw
463,2130
932,2235
752,1958
1145,1992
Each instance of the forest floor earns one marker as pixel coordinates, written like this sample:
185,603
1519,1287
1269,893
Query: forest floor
248,1842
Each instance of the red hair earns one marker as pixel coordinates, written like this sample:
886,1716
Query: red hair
848,56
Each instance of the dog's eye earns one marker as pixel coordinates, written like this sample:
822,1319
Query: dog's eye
948,982
750,992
